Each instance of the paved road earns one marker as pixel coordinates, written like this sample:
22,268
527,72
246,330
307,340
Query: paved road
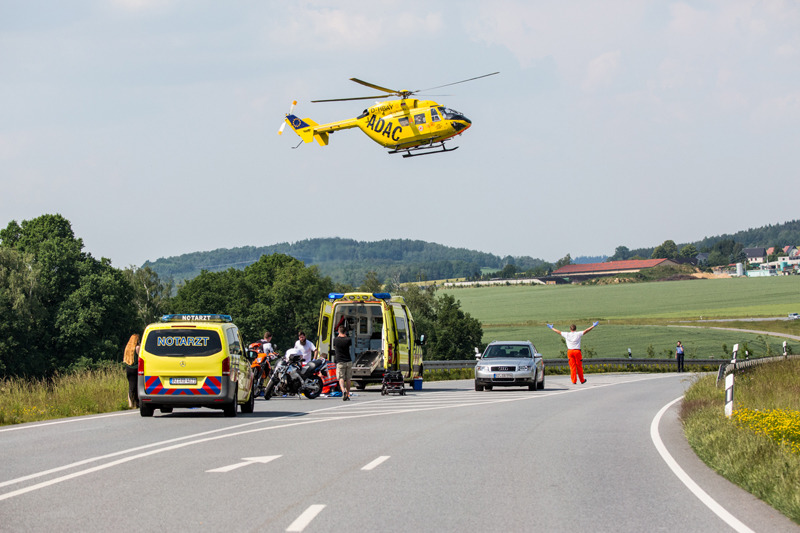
569,458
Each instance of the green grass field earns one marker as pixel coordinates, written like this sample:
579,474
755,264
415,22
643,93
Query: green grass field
648,318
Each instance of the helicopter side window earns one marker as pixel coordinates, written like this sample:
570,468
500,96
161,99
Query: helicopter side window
403,121
434,116
419,119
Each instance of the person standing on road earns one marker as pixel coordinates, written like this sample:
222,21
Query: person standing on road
131,361
679,356
305,347
344,364
573,338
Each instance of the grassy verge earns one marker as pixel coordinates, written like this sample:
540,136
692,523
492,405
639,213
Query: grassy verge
758,447
84,393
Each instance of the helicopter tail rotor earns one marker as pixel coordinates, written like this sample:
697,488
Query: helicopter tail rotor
294,103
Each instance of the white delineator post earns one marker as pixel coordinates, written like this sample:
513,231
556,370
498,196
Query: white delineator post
729,385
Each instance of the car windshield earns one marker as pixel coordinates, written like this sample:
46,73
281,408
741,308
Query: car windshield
496,351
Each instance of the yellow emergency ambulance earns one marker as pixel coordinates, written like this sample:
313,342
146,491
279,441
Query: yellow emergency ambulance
194,361
382,330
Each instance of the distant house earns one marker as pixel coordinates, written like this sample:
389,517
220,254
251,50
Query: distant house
791,251
594,270
755,256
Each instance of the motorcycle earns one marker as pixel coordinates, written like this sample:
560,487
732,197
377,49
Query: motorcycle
262,367
292,377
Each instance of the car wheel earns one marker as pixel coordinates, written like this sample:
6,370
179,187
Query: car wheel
478,388
541,383
250,404
145,409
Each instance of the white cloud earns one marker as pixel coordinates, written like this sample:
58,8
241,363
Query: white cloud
601,71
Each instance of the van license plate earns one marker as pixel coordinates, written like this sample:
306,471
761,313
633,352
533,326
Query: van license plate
503,376
183,381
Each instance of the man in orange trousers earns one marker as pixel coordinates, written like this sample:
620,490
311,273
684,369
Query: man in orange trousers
573,338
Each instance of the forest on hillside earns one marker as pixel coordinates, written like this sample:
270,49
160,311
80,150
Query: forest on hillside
395,261
348,261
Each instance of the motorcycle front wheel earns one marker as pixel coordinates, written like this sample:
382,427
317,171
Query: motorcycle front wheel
269,389
314,388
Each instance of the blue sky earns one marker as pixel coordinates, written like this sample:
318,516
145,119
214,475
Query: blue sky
152,125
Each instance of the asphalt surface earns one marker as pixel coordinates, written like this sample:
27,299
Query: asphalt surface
447,458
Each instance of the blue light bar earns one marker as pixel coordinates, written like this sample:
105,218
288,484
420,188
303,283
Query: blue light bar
382,295
335,295
197,318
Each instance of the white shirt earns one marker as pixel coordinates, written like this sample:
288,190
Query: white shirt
306,349
573,339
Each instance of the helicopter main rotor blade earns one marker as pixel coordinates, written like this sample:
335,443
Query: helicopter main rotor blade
373,86
457,82
348,99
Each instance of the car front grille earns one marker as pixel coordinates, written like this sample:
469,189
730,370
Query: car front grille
504,369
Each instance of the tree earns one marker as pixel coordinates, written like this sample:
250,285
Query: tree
371,283
277,293
78,309
620,254
564,261
150,294
666,250
456,333
689,251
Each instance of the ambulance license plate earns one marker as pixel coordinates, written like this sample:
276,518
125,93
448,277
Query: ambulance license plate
503,376
183,381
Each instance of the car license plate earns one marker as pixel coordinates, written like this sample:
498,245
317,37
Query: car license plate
503,376
183,381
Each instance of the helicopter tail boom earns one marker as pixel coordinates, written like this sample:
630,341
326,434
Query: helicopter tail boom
304,127
308,130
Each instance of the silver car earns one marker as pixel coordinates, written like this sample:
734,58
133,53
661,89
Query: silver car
509,364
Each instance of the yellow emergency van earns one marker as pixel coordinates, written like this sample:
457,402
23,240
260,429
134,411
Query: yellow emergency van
382,330
194,361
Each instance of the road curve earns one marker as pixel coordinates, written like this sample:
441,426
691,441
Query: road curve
447,458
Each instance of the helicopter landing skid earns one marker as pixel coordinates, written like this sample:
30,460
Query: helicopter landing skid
424,150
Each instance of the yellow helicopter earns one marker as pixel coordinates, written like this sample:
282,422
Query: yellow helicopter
416,127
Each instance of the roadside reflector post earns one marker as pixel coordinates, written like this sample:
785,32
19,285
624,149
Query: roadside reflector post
729,385
785,351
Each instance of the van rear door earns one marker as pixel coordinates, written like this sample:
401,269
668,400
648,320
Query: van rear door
324,333
403,340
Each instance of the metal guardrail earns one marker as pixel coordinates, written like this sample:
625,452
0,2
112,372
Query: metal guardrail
727,368
594,361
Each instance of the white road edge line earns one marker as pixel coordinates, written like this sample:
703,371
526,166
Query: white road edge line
701,495
375,463
304,519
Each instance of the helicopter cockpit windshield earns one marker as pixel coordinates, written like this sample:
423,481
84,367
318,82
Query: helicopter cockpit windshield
451,114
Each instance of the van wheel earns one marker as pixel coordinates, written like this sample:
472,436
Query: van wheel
145,409
360,385
249,406
230,409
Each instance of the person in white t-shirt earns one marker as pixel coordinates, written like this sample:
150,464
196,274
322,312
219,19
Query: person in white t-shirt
573,338
305,347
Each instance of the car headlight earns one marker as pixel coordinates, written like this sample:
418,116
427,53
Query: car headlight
524,368
480,368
